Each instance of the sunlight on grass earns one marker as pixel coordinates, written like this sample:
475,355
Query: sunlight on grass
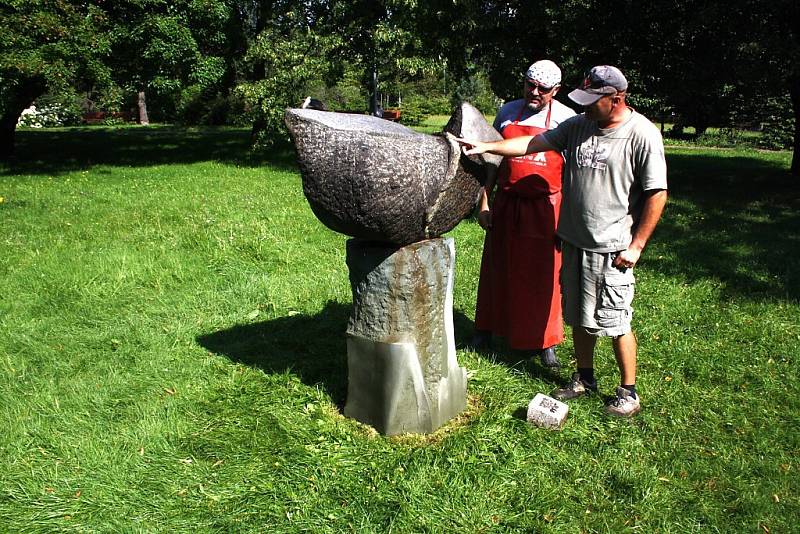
172,358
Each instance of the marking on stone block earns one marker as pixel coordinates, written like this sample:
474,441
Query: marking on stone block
547,412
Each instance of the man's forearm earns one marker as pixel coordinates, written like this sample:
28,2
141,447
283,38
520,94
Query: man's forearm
491,180
651,212
514,146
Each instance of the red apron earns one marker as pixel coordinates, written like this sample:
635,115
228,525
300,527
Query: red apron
519,295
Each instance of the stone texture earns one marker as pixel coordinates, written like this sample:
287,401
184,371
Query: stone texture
375,179
403,375
468,121
547,412
460,192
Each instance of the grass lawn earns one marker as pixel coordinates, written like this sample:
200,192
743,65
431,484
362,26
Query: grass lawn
172,359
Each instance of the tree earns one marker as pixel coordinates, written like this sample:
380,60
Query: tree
46,45
298,43
502,38
717,64
769,51
286,49
163,47
713,63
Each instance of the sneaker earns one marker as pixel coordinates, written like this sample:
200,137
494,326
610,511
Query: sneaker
624,404
575,388
548,358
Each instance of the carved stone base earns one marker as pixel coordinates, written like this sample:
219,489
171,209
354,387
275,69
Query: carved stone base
403,375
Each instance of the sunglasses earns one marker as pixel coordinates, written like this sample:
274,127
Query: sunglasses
543,89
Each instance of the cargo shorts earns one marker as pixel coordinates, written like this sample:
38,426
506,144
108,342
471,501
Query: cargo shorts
596,295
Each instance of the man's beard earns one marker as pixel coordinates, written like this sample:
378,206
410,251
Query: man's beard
533,106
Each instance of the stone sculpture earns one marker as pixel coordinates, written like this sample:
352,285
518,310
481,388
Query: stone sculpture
395,191
375,179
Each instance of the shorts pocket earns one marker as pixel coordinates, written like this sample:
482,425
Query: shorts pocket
615,299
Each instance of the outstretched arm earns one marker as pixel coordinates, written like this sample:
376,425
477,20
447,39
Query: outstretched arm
514,146
651,212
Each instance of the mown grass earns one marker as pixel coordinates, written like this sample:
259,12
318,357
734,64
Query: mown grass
172,358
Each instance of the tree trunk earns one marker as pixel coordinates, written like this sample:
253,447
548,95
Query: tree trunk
143,120
20,98
794,91
259,125
8,129
373,90
700,124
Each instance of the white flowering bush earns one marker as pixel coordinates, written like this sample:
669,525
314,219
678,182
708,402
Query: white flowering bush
49,115
30,118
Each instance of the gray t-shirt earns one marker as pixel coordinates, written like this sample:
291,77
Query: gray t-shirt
605,175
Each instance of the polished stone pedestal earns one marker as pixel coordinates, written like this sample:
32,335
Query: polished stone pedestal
403,375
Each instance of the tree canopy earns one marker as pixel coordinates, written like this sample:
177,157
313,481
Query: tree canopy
46,45
709,63
166,47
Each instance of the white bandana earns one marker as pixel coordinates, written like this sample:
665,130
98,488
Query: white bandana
544,72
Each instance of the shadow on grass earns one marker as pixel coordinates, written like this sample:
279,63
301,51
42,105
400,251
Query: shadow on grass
315,349
735,219
311,347
500,352
55,151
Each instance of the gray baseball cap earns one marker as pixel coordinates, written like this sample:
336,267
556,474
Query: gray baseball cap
601,80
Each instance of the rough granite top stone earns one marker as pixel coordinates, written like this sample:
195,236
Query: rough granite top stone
353,122
374,179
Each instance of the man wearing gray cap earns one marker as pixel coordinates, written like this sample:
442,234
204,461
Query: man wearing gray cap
518,293
614,191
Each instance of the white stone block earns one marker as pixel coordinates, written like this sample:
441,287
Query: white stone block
547,412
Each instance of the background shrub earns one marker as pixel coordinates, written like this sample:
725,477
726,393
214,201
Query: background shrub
53,110
414,111
778,125
476,90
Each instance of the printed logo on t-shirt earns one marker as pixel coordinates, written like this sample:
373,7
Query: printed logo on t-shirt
593,154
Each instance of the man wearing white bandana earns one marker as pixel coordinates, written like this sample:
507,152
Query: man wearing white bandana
518,292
